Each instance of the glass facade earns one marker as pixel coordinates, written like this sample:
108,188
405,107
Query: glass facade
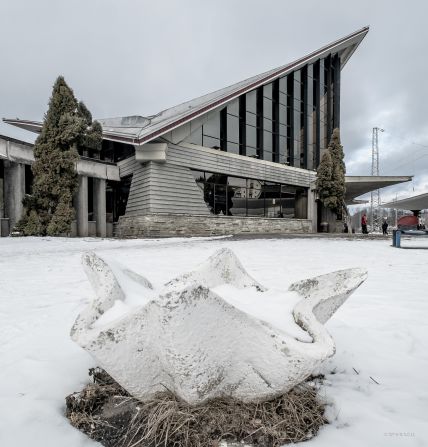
1,189
117,197
316,114
211,132
236,196
289,120
113,151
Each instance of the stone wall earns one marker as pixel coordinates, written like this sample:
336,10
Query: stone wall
166,225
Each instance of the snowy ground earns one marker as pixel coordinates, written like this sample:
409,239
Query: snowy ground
381,332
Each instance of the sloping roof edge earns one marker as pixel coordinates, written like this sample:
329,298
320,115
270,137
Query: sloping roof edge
354,39
419,202
359,185
223,96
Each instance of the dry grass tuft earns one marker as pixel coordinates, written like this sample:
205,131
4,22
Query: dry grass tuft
107,413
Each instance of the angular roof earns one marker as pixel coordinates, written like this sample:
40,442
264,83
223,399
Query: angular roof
357,185
138,130
419,202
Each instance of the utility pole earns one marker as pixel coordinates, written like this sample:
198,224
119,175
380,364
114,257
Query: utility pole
375,217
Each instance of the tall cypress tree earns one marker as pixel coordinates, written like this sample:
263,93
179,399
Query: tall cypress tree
67,125
324,179
336,150
92,137
339,170
331,178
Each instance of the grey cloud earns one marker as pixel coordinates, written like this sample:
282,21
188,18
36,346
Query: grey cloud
139,57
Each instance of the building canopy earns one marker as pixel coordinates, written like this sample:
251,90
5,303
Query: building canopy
358,185
415,203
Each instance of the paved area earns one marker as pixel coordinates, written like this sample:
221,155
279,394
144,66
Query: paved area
348,236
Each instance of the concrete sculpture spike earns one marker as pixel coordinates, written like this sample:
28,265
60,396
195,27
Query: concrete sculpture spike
191,341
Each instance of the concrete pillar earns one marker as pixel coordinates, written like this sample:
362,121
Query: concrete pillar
100,206
301,205
14,191
81,202
312,208
1,189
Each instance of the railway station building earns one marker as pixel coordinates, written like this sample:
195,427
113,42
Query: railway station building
240,159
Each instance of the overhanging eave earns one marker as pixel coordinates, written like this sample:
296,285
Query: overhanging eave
358,185
419,202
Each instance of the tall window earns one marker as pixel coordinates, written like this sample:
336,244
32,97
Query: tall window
303,117
211,132
242,126
336,90
297,115
251,124
284,131
328,99
308,159
259,108
267,142
316,114
275,121
290,119
323,105
233,127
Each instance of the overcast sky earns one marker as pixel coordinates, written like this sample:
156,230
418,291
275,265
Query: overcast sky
126,57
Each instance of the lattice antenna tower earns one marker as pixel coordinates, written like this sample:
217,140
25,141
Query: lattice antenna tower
375,212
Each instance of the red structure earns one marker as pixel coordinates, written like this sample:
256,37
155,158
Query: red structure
408,223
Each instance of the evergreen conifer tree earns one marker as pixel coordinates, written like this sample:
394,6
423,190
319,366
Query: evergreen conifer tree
336,150
332,189
92,138
324,179
67,126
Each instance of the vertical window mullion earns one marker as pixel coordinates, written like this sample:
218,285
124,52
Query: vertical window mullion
290,119
336,91
303,118
317,111
275,122
223,129
328,79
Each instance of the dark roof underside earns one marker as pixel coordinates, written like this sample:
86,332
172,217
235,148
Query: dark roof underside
358,185
419,202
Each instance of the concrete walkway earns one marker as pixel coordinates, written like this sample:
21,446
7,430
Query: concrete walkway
348,236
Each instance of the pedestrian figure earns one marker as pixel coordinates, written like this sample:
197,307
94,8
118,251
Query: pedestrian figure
385,227
364,223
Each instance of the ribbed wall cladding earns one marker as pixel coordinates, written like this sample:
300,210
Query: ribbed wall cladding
127,166
216,161
170,187
164,188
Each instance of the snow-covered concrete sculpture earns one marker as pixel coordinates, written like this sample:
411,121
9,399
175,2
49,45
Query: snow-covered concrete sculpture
211,332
